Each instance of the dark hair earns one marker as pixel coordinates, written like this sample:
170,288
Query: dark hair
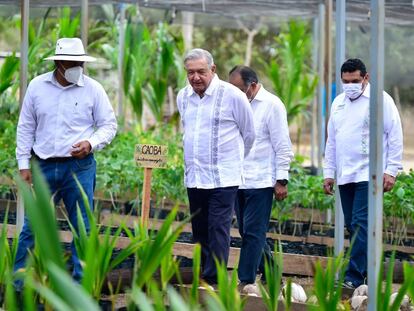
352,65
247,74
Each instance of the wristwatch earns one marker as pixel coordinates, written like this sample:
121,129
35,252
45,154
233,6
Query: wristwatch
282,182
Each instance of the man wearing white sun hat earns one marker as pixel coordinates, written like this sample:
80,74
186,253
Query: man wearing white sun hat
65,117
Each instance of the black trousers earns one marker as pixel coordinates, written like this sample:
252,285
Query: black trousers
253,209
212,211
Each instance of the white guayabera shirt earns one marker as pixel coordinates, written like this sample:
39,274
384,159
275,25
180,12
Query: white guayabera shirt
218,133
54,117
271,154
347,147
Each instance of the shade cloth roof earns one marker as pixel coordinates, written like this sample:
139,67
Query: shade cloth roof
397,12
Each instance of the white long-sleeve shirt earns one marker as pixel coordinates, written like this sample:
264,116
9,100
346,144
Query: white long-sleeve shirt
271,154
347,147
54,117
218,133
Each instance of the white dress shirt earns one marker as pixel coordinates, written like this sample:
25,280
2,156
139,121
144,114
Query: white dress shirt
347,147
269,159
54,117
218,133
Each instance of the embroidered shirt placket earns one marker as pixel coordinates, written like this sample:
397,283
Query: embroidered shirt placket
215,136
196,140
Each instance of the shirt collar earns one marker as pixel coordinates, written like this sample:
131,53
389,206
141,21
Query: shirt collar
367,91
50,77
210,90
261,94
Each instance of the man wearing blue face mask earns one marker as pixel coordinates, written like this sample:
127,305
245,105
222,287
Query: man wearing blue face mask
347,155
66,116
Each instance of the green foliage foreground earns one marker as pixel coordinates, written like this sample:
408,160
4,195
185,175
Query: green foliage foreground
52,286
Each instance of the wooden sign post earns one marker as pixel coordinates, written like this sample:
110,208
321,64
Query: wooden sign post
149,157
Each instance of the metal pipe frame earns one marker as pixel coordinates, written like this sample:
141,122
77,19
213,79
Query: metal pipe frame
340,20
376,127
321,61
24,61
121,53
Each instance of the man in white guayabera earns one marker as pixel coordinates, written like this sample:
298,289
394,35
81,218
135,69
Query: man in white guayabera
218,134
265,171
66,116
347,155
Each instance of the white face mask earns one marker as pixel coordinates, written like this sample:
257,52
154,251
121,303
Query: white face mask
352,90
250,99
73,74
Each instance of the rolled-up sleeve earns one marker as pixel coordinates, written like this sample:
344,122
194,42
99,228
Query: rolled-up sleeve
104,121
25,132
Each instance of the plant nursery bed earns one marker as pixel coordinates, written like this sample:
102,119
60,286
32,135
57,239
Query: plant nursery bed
299,229
307,244
293,264
302,244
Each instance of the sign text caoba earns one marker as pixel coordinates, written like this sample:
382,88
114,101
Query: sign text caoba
154,156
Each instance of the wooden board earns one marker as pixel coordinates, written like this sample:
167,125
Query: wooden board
293,264
109,219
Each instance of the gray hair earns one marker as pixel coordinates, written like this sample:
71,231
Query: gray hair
197,54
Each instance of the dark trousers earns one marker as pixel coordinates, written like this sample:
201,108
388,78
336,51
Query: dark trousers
253,209
354,199
212,211
62,185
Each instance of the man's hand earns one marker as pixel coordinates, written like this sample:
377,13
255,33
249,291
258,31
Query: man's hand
26,175
281,192
328,184
81,149
388,182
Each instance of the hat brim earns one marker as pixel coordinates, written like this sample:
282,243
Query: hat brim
80,58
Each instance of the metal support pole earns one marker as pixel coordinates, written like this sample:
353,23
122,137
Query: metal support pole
328,76
24,51
376,127
121,53
315,39
84,23
328,59
321,61
188,29
339,59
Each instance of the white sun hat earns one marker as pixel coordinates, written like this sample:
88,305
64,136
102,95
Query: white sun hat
70,49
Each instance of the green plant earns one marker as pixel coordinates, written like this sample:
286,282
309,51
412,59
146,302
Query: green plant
154,248
96,250
227,296
399,208
194,295
292,78
149,60
118,176
62,292
384,291
8,253
326,287
273,272
8,72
